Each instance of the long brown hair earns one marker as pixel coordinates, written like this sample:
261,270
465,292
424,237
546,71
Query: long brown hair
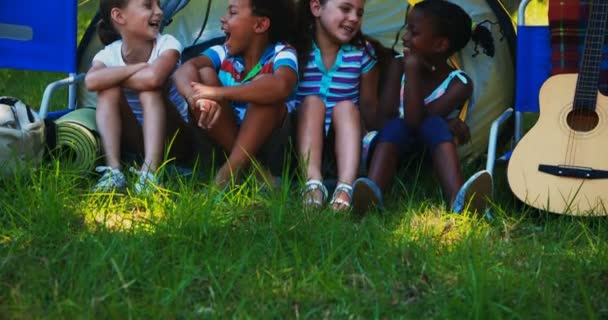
105,29
303,38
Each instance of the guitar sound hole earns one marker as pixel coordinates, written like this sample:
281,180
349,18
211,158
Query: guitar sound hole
582,120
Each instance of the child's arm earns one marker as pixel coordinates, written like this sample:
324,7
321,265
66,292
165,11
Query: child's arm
413,64
368,98
265,89
99,77
454,97
388,107
188,73
155,74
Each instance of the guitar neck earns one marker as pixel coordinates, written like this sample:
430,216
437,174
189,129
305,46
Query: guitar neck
589,72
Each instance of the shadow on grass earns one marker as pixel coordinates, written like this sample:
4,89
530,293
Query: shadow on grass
198,251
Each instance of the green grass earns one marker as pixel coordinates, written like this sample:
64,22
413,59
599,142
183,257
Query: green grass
197,252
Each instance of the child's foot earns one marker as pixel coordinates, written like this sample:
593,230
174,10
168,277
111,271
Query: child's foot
314,194
366,195
224,177
146,183
267,181
474,193
111,179
342,197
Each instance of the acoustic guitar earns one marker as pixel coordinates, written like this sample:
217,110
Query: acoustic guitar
561,164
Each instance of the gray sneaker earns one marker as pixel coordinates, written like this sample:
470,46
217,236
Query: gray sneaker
146,183
474,194
111,179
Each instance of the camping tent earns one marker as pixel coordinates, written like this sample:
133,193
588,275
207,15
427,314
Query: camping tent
197,21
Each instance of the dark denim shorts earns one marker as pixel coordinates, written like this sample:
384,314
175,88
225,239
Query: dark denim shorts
433,131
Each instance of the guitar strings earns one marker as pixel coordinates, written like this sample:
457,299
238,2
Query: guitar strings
593,43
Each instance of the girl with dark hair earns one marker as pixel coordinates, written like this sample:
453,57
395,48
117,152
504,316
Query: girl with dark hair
339,78
432,92
138,108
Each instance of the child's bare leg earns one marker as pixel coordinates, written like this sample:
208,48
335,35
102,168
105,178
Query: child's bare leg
436,135
179,136
447,167
154,111
258,124
309,142
383,165
310,129
346,121
109,124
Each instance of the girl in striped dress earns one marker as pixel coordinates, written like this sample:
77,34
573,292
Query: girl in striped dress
338,87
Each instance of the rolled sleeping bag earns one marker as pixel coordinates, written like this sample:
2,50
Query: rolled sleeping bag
78,139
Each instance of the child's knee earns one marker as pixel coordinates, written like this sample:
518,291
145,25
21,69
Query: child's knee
434,130
313,100
311,105
112,95
395,132
344,108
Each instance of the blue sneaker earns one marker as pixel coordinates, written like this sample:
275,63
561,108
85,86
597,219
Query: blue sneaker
366,195
474,193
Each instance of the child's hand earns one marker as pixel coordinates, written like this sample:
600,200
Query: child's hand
206,112
202,91
413,62
460,130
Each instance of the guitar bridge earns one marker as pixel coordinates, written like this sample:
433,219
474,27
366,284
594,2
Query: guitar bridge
573,171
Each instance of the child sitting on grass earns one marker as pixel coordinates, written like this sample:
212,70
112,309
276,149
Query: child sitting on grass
131,78
239,91
432,93
338,85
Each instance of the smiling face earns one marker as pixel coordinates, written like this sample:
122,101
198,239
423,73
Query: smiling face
340,20
141,18
238,24
420,36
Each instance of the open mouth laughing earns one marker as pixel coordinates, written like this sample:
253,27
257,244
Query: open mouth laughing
154,24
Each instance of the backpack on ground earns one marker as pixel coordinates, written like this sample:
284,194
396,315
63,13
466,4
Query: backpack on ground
22,138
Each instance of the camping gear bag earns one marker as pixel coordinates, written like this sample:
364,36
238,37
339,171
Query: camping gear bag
22,137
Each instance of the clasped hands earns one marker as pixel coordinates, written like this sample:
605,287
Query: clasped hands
204,104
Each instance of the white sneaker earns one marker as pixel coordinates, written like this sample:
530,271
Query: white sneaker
111,179
474,193
146,182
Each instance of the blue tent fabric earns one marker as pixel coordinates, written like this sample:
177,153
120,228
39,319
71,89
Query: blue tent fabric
38,35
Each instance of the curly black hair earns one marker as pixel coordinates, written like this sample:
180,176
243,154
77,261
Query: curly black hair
280,13
455,24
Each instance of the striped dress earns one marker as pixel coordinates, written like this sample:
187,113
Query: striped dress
341,82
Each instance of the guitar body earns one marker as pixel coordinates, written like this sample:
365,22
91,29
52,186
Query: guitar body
554,141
